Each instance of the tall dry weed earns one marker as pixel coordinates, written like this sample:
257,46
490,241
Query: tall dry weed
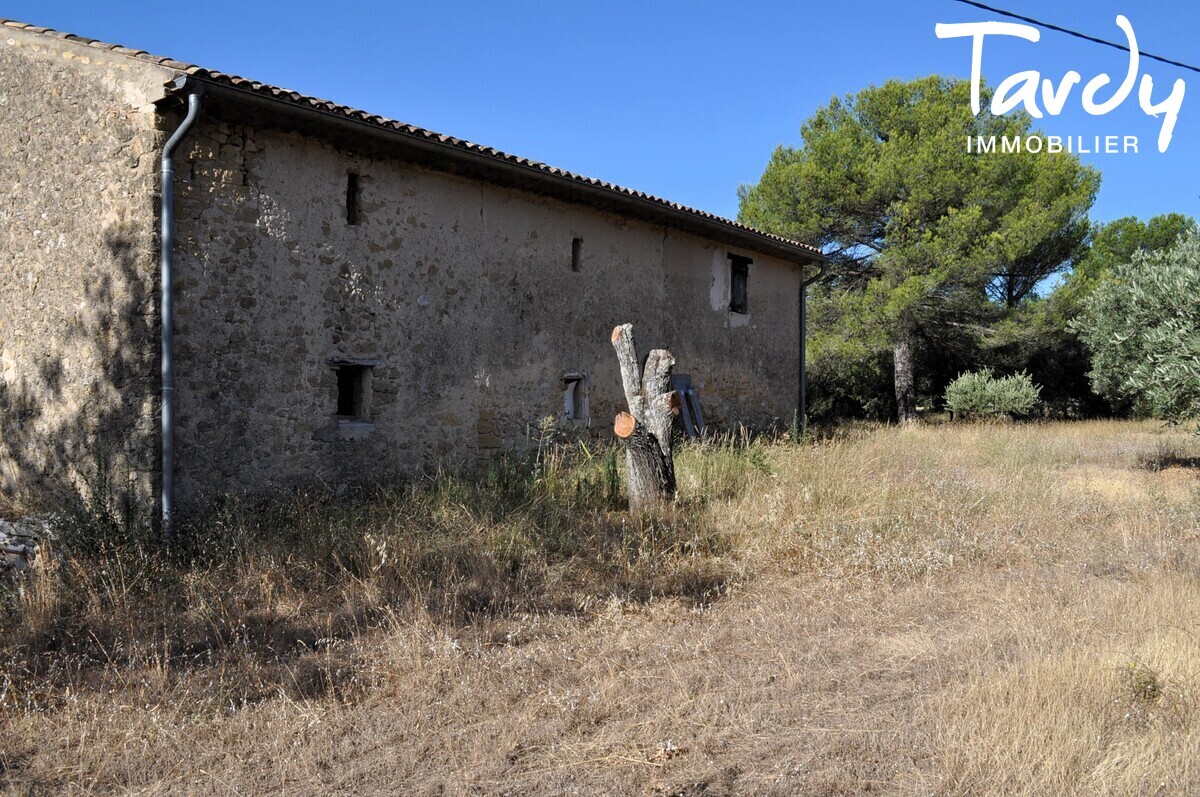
938,609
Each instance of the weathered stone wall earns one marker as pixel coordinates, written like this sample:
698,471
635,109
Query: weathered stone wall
745,366
460,294
463,292
78,352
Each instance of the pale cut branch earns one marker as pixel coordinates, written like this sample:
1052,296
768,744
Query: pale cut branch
622,341
656,377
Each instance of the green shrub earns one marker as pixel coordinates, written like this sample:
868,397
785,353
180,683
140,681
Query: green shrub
1142,327
978,394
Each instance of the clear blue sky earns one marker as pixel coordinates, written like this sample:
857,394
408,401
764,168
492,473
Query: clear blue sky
685,99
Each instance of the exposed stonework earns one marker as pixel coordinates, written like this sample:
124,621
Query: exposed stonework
454,297
464,292
78,271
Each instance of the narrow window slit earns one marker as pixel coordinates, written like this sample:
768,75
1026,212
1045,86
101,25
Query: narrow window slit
577,254
352,198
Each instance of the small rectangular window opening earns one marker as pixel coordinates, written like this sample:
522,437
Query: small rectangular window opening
353,396
352,198
739,275
577,254
575,400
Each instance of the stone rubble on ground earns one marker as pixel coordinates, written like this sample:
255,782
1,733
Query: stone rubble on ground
20,542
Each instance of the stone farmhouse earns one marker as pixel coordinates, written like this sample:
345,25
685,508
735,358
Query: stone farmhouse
348,297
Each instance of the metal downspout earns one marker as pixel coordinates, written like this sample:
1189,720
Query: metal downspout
167,313
802,410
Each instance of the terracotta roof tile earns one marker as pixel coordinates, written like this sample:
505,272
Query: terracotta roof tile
400,127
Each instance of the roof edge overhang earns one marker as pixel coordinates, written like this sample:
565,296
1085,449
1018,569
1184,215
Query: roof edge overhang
459,157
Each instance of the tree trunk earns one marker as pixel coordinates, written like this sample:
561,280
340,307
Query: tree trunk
906,393
646,428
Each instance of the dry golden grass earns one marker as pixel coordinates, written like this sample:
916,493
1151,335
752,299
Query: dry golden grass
957,610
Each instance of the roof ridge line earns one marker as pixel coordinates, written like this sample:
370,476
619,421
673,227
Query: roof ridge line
302,100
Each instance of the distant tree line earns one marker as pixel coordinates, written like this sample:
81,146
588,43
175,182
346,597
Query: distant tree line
945,262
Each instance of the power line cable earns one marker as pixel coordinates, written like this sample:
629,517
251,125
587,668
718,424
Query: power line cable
1077,34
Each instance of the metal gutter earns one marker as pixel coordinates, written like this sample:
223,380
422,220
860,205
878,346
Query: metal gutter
802,409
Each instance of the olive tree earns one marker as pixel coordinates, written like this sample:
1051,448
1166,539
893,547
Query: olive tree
1142,326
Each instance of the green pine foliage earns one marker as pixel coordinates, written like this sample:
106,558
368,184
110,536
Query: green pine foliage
1114,243
930,246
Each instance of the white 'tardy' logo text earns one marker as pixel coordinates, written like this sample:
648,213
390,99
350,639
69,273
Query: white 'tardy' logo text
1022,88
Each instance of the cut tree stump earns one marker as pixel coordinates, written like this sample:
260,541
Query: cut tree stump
646,427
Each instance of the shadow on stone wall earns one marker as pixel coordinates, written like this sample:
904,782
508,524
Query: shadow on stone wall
79,427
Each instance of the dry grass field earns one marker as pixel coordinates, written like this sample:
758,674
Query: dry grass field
937,610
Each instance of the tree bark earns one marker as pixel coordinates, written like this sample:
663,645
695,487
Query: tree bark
906,393
646,428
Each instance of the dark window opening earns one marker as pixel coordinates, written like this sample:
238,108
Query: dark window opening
739,275
352,198
353,396
577,254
